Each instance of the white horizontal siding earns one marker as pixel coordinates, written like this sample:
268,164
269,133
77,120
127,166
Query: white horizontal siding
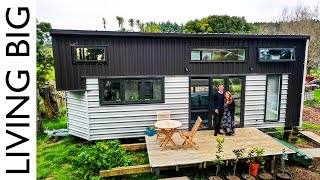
125,121
255,94
77,113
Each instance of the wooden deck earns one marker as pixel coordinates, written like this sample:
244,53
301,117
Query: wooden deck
206,143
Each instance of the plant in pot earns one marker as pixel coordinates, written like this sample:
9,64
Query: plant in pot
238,153
218,161
250,157
263,175
283,174
150,130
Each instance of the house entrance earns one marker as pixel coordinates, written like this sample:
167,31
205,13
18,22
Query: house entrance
201,94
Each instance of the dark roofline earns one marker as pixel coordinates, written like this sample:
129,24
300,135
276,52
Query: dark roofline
63,32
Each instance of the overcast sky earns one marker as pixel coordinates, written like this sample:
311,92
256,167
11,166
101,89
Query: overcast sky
87,14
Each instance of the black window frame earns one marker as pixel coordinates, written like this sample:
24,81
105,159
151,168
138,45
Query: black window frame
245,48
122,90
276,60
75,61
279,96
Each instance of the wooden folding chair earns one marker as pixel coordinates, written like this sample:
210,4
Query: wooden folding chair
162,115
189,135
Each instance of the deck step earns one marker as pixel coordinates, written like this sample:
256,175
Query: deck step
176,178
311,152
300,156
311,136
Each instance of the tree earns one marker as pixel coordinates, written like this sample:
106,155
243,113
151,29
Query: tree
142,27
44,71
120,22
152,27
170,27
219,24
131,23
104,22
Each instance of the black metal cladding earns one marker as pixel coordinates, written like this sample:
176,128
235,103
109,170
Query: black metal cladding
138,54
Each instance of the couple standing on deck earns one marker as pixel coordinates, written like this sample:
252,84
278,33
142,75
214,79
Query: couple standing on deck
223,110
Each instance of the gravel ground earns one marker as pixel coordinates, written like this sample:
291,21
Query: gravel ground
311,115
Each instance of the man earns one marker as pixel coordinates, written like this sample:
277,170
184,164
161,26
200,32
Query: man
218,102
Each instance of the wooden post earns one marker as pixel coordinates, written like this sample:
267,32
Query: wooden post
273,161
286,134
205,165
157,170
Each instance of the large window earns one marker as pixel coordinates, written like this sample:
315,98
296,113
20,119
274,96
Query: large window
273,98
276,54
89,54
218,54
131,90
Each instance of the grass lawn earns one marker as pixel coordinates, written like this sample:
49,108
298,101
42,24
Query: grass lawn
315,104
311,126
56,155
312,72
317,94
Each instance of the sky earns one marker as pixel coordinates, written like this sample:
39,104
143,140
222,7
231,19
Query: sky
87,14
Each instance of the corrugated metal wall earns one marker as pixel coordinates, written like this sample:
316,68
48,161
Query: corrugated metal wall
125,121
255,95
77,112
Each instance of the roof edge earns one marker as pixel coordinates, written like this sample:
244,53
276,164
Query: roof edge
64,32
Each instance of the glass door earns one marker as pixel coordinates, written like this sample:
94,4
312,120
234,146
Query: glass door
201,93
200,102
235,87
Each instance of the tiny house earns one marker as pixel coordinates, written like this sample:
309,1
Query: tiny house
115,82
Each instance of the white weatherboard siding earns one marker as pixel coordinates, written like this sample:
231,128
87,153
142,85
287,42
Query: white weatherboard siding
125,121
77,112
255,94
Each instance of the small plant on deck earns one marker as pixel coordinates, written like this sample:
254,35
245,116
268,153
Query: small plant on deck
238,153
152,127
218,161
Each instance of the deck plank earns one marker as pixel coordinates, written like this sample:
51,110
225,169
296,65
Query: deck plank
312,136
206,143
311,152
176,178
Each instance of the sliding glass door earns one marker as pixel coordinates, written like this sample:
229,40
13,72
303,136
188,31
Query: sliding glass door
235,87
201,92
199,106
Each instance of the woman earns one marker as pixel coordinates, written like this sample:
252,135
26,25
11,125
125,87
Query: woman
227,121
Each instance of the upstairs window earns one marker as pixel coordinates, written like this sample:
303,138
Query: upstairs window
276,54
218,54
89,54
131,90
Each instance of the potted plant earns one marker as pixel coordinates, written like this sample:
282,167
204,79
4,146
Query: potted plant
238,153
150,130
218,161
264,175
283,174
249,162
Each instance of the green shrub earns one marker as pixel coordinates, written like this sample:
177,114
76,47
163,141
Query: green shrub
58,123
102,156
63,111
